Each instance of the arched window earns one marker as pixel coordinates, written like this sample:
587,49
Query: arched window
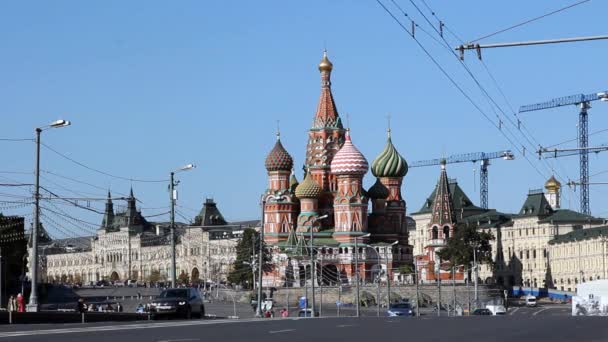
446,232
435,233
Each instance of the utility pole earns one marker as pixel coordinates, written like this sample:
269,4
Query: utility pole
378,294
454,290
475,266
173,197
339,304
321,288
33,302
261,261
604,255
172,220
417,289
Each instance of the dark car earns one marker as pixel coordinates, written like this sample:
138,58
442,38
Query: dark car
184,302
482,312
400,309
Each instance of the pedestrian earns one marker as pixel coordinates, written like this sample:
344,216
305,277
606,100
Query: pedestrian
118,307
81,306
267,314
20,303
12,304
284,313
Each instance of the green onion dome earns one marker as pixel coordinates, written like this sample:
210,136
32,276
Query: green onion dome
378,190
389,163
308,188
278,159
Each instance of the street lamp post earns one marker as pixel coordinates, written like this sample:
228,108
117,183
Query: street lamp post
173,196
312,262
258,311
33,302
357,272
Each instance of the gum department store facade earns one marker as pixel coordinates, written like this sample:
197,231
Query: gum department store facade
127,246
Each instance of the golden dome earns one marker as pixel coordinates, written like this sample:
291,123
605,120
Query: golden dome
325,64
553,184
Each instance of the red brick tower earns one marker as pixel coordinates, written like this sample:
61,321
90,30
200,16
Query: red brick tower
282,207
350,204
325,138
440,228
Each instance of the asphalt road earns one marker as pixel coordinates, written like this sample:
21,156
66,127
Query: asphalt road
489,328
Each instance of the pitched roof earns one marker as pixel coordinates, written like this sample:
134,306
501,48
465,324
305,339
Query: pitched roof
462,205
209,215
581,234
443,208
489,219
535,205
570,216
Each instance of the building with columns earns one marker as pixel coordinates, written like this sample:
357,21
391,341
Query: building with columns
127,246
332,205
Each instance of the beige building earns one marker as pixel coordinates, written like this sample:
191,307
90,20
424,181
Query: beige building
578,257
537,247
127,246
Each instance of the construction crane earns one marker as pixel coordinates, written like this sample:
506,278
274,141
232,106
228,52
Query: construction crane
584,103
482,157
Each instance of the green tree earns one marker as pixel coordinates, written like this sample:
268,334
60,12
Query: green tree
247,247
154,276
182,278
459,248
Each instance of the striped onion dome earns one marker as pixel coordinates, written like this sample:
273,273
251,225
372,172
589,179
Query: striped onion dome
278,159
349,161
389,162
308,188
378,190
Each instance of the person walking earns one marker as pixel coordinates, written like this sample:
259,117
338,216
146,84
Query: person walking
20,303
12,304
284,313
82,307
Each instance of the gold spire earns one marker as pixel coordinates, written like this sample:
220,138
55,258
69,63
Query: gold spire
325,64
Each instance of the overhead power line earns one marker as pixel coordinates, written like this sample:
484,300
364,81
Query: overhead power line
530,20
103,172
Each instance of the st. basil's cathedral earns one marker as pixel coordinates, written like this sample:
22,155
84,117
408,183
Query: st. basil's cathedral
332,202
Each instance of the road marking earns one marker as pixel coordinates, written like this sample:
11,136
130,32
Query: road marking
280,331
118,327
345,325
513,311
181,340
539,311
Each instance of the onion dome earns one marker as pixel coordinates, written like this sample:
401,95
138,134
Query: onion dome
278,159
308,188
389,162
349,161
325,64
378,190
293,181
553,184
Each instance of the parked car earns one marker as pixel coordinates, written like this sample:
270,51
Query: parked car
184,302
482,312
307,313
400,309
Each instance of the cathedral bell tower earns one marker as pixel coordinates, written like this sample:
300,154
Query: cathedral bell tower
325,138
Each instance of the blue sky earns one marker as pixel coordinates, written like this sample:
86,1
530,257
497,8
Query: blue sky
150,86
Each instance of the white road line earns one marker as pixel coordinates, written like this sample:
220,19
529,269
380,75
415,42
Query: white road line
513,311
539,311
345,325
118,327
181,340
280,331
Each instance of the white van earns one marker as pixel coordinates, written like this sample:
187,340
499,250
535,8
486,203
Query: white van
530,301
